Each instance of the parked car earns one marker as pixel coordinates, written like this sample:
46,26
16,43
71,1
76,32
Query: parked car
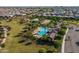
76,29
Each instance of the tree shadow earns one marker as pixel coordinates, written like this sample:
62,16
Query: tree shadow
18,35
21,41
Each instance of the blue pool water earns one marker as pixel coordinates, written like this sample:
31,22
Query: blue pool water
42,31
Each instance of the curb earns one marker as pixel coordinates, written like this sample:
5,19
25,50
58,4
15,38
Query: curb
63,43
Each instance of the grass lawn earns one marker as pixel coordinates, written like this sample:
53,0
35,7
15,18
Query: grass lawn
12,45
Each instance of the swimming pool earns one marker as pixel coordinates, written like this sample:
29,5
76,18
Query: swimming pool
42,31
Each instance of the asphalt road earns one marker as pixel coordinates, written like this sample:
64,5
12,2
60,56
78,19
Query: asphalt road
72,41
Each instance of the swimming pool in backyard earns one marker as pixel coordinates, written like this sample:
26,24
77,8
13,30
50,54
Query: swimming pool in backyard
43,31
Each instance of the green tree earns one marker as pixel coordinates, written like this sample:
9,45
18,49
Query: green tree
61,32
57,44
58,37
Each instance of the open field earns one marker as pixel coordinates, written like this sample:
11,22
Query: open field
12,45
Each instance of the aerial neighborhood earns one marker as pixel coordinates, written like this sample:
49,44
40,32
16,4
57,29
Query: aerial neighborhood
39,29
40,11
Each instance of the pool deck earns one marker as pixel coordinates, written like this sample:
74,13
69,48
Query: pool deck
36,32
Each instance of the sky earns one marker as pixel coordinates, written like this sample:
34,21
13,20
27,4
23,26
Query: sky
39,3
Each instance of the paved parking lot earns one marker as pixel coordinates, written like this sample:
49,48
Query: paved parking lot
72,43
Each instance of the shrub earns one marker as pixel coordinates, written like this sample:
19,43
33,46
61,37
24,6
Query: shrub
46,37
2,45
57,44
33,38
61,32
49,51
42,50
58,37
